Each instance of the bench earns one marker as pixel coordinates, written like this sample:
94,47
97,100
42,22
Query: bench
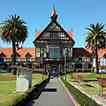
102,83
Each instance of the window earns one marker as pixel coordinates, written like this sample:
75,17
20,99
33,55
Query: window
54,52
17,58
38,52
1,60
62,36
45,52
103,61
28,57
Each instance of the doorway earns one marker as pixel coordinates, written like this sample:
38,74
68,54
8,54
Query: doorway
54,70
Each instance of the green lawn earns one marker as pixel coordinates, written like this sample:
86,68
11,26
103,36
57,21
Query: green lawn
7,92
84,86
90,86
8,87
79,96
86,76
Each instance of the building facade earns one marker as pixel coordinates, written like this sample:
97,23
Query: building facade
82,59
54,46
23,56
54,52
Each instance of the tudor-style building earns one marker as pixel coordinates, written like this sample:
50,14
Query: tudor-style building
23,56
82,59
54,46
54,51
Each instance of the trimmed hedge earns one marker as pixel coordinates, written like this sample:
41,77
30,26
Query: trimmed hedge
30,94
81,98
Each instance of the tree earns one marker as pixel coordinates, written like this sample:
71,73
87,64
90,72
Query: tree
94,39
14,31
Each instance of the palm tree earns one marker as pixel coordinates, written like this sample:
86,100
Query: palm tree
94,39
14,31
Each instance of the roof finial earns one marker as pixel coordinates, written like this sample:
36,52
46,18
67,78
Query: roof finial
54,14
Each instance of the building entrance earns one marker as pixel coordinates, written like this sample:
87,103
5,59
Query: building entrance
53,70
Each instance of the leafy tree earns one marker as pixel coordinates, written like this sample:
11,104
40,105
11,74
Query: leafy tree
14,31
94,39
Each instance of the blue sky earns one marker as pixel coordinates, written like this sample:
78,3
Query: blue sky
73,15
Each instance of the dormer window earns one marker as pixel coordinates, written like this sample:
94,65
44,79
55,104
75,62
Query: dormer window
17,57
28,57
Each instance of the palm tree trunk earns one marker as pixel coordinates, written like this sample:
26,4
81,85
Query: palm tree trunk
96,53
13,53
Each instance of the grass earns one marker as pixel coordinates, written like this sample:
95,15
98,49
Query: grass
101,75
91,88
8,87
36,78
7,92
90,84
81,98
86,76
7,77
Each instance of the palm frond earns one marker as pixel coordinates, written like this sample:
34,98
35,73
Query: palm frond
14,28
95,34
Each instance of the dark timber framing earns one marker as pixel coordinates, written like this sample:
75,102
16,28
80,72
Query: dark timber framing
55,47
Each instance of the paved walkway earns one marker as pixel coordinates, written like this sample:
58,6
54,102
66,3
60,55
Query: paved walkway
53,95
101,100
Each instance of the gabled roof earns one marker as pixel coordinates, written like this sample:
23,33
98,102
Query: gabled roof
77,52
54,21
17,54
101,52
21,52
6,51
88,52
25,51
2,54
39,34
28,55
81,52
